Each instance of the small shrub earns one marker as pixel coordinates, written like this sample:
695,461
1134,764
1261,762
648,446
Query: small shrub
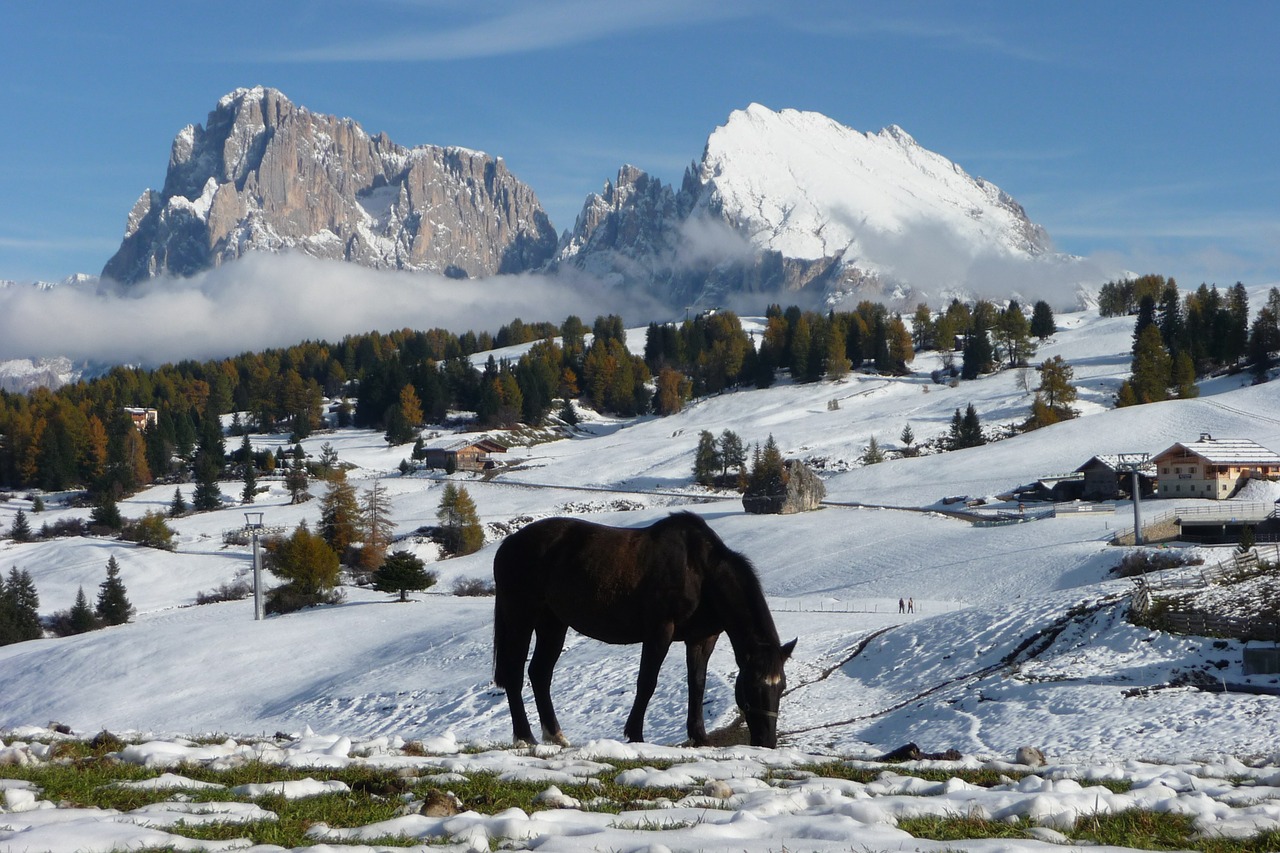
151,531
230,591
288,598
472,587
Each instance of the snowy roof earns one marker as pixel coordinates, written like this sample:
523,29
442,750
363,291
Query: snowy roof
1227,451
1120,462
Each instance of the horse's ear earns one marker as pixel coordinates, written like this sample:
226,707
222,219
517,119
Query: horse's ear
788,649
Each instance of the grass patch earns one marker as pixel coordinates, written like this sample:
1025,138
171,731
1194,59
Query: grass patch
957,828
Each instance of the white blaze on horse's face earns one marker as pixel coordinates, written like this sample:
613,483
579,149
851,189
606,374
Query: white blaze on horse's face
759,690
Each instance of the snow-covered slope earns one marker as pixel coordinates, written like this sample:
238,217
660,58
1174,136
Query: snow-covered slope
806,186
951,674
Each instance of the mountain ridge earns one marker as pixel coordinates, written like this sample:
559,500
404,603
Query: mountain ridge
263,174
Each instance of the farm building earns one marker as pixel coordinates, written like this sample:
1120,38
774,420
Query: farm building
142,418
1110,476
1212,467
474,455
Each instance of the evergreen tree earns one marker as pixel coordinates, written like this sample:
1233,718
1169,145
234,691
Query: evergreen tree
733,453
923,329
1054,396
900,347
21,530
1014,334
1264,341
768,471
340,514
459,521
1184,377
81,618
37,504
250,474
19,609
403,572
908,439
113,606
872,455
966,429
207,496
706,460
106,514
177,506
1152,368
979,355
295,480
1043,324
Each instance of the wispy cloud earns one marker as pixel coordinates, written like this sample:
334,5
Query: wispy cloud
523,28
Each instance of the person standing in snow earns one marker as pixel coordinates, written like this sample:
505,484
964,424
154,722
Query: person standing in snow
911,605
902,608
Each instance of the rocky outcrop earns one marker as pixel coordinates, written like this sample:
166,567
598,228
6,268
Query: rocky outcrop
799,489
266,175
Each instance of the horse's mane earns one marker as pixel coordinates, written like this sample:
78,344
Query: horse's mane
739,565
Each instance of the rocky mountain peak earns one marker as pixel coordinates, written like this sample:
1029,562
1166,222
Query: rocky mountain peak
263,174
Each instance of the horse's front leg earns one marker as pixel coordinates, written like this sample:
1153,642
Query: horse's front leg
546,652
697,653
653,653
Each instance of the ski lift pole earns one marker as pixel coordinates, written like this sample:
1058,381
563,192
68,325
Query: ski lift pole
253,523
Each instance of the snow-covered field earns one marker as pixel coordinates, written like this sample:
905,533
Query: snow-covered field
959,673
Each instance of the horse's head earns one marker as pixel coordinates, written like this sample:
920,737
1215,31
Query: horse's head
761,681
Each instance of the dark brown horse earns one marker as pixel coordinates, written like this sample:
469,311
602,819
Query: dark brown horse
673,581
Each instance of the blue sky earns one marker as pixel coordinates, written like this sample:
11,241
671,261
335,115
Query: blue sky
1143,132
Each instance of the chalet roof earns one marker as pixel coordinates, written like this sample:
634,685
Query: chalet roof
486,445
1227,451
1114,461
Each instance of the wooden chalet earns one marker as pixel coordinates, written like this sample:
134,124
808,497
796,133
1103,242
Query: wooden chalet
470,455
1108,477
1212,468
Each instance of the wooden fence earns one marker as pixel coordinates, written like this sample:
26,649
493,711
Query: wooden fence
1149,586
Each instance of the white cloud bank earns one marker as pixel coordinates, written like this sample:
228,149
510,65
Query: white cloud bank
266,300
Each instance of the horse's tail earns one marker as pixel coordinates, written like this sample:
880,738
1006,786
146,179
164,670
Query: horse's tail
507,670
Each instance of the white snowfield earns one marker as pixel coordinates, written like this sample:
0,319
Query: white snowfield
1018,638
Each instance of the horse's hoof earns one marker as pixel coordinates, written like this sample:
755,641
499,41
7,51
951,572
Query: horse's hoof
521,743
557,738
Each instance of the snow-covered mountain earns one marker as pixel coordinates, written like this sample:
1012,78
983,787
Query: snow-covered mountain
794,201
263,174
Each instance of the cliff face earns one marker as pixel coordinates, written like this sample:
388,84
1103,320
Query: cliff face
266,175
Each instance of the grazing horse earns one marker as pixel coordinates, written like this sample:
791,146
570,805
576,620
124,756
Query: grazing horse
673,581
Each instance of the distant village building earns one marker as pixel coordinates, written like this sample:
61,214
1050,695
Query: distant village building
464,455
142,418
1212,468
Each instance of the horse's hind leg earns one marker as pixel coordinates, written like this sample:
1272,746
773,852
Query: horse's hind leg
697,653
652,654
546,652
511,637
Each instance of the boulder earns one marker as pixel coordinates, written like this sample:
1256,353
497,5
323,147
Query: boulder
799,489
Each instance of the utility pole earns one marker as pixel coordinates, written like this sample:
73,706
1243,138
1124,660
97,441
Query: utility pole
253,524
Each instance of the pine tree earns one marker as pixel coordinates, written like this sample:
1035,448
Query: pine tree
113,606
733,453
979,356
1152,368
177,506
1184,377
80,618
19,609
1043,324
908,439
972,428
295,481
403,572
460,521
404,417
21,530
250,476
873,455
1054,395
340,514
106,514
706,460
